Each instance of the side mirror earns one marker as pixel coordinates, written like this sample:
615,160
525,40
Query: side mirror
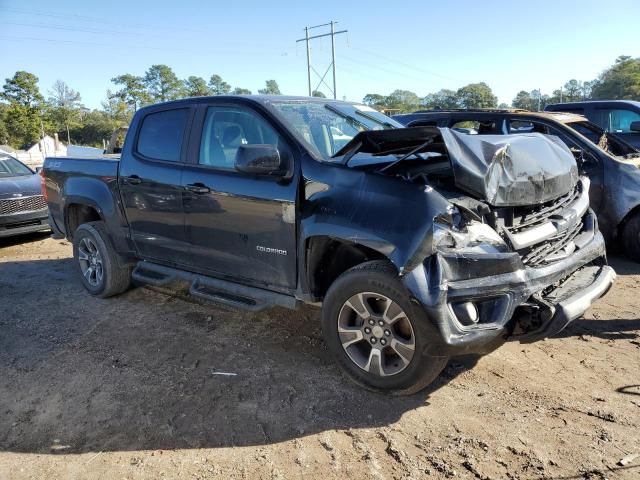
38,169
635,126
259,159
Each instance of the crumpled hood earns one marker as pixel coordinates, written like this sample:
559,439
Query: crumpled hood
23,185
511,170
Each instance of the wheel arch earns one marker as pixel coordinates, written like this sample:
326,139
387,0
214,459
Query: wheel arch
80,211
327,257
630,214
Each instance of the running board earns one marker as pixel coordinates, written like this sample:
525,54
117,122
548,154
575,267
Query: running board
214,289
144,273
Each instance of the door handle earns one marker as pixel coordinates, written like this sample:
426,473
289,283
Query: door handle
132,180
197,188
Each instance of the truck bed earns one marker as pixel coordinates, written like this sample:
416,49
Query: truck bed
71,179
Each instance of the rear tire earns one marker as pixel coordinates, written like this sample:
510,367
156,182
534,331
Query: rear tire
377,334
98,264
631,237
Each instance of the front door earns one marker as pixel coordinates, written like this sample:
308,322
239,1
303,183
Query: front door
150,185
239,225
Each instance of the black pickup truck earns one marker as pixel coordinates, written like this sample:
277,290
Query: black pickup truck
419,243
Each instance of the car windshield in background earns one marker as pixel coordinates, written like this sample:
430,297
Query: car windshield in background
588,129
327,127
10,167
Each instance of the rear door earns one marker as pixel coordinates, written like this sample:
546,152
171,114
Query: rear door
150,177
239,225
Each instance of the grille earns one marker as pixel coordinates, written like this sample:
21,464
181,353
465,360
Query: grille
539,254
24,204
520,219
528,217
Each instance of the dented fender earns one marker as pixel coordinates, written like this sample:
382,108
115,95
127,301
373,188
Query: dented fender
386,214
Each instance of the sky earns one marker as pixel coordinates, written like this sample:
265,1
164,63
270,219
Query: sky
421,46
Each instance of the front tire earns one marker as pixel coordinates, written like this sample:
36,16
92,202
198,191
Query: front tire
100,270
377,334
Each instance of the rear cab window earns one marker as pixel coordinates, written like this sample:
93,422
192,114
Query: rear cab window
487,126
161,135
585,130
532,126
521,126
423,123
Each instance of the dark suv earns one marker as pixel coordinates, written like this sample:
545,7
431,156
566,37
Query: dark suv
620,117
610,163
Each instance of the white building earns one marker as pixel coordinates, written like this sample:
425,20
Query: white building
47,147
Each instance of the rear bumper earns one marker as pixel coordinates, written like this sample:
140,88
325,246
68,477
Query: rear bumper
514,302
21,223
57,233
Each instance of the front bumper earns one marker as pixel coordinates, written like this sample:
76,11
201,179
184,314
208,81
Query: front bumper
515,302
574,298
24,222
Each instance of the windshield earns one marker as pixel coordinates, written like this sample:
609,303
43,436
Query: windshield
10,167
327,127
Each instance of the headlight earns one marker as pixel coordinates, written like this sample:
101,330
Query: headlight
473,237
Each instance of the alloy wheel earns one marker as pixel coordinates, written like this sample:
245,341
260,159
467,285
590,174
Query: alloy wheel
90,262
376,334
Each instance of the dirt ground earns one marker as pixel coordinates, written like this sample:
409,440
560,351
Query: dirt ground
152,385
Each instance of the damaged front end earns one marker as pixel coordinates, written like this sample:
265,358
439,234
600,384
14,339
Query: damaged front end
481,287
516,258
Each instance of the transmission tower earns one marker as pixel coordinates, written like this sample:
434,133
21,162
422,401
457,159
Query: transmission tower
307,39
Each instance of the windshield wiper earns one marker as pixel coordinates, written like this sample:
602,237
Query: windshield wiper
404,157
349,118
374,119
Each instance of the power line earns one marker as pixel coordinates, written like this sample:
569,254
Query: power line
70,16
102,21
406,65
380,69
75,29
137,46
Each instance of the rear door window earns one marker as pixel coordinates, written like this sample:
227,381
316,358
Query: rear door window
162,134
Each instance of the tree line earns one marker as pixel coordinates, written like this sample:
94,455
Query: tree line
25,113
621,81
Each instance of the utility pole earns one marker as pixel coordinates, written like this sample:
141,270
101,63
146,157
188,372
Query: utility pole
310,68
539,98
333,58
306,35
